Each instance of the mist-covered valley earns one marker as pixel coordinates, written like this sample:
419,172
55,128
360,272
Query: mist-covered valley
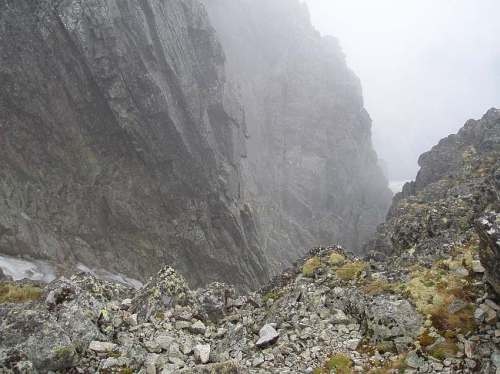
196,186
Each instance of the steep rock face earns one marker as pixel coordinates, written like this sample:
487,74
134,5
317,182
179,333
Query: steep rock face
457,182
311,172
488,229
119,147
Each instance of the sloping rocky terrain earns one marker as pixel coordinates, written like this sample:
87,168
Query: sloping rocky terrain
304,113
454,197
428,308
123,144
332,314
130,138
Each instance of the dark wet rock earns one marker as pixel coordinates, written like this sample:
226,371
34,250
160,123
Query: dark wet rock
136,157
488,228
215,300
156,144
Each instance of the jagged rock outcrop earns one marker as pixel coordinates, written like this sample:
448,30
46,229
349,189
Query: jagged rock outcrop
456,184
311,172
119,146
331,312
488,229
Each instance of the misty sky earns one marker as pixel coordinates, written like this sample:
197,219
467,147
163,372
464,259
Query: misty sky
426,67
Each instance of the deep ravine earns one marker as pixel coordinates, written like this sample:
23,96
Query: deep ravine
126,144
422,301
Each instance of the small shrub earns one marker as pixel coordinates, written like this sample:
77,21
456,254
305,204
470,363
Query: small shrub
444,350
463,320
378,287
273,294
114,354
341,363
351,270
425,339
12,293
336,259
396,366
386,346
64,352
338,363
310,266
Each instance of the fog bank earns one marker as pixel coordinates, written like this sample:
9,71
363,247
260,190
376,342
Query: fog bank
426,67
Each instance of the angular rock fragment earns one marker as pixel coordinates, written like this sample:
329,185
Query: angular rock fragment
267,336
202,353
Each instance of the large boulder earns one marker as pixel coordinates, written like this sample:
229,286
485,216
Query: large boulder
52,331
164,291
390,317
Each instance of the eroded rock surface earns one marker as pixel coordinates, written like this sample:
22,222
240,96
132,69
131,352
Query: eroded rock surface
124,146
119,146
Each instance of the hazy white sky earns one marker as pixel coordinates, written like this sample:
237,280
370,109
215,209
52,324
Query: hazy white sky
426,67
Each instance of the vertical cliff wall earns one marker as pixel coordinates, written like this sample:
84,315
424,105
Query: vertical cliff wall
118,146
311,172
130,138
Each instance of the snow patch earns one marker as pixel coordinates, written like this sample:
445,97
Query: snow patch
19,268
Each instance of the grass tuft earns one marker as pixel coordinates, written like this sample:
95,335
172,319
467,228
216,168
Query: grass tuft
426,340
336,259
350,270
310,266
338,363
272,295
341,363
444,350
378,287
12,293
396,366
